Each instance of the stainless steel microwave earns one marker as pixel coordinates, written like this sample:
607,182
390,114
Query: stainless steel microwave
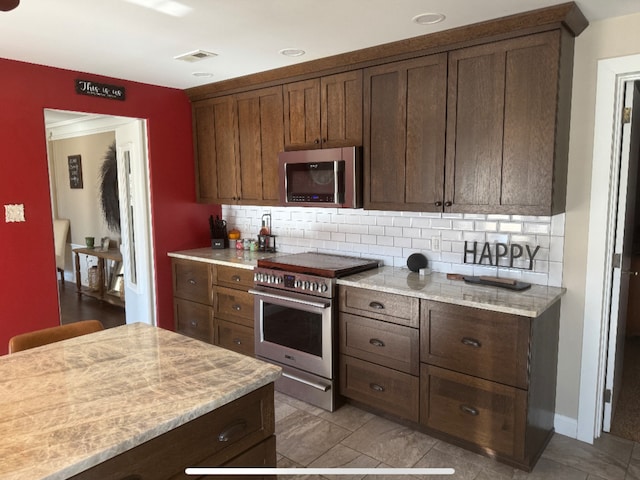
329,177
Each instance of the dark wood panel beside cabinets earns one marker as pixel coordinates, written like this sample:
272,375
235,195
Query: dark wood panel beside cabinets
404,134
324,112
502,122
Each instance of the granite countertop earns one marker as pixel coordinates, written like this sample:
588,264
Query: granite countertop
70,405
224,256
529,303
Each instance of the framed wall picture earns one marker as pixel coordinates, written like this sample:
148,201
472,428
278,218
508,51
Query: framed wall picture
75,171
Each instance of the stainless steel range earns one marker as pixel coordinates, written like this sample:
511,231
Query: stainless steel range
296,320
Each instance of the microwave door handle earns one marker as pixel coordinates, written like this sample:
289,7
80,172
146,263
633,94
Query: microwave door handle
290,299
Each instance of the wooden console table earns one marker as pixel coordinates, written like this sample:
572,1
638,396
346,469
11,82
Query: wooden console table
102,255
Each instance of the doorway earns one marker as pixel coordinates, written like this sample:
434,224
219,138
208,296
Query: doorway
612,75
124,140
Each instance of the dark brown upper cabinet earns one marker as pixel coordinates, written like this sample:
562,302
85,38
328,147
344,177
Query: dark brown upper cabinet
507,134
404,134
324,112
238,138
216,147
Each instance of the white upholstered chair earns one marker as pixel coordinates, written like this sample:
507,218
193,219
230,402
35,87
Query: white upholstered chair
60,232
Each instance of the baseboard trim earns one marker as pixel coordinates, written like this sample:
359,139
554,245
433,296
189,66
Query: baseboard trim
566,426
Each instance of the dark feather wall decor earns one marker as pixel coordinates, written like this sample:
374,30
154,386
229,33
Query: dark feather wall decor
109,195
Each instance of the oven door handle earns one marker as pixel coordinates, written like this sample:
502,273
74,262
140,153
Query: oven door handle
290,299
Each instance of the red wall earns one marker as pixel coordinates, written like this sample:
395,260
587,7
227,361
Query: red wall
28,281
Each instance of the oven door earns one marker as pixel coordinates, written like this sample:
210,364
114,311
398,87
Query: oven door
295,330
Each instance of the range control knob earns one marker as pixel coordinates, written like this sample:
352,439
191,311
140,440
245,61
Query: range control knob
297,284
305,286
323,287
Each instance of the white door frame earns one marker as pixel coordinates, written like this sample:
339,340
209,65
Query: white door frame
611,78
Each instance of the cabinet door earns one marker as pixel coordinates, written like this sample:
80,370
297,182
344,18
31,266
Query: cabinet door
216,148
192,280
194,320
404,134
302,114
341,109
260,139
501,127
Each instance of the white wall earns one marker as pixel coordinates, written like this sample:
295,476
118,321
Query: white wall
605,39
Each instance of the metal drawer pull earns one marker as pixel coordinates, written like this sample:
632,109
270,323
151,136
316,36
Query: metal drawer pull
376,387
237,427
236,307
377,305
237,341
194,323
376,342
316,385
192,281
472,342
235,278
470,410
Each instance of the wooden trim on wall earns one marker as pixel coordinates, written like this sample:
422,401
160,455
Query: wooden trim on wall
567,16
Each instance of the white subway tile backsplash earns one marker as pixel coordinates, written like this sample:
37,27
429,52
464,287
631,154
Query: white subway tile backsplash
392,236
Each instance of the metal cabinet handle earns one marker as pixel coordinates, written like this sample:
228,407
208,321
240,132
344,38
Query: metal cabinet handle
192,281
472,342
194,323
377,305
316,141
448,204
236,307
376,387
237,341
376,343
470,410
438,204
235,278
232,430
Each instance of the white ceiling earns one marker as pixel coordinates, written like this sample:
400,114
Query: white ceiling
123,39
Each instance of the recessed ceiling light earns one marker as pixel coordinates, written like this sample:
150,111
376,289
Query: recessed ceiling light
202,74
428,18
291,52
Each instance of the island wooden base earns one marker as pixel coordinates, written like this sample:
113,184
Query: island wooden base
240,433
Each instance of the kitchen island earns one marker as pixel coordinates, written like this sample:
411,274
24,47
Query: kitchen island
132,400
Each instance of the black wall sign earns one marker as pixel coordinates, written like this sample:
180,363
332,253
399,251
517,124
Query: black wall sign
502,251
93,89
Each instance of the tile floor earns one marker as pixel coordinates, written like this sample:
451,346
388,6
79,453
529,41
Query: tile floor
350,437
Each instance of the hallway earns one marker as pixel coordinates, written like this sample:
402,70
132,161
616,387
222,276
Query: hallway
74,307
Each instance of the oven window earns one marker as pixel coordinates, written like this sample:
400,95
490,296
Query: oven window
293,328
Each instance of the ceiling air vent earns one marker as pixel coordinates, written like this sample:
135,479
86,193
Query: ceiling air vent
195,56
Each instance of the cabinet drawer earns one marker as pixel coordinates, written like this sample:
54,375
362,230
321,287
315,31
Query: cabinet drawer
234,277
389,390
192,280
215,437
193,319
387,344
484,413
235,305
235,337
379,305
486,344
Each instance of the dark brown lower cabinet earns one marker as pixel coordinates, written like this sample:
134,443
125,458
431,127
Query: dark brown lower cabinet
240,433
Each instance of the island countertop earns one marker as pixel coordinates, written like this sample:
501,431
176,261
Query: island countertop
435,286
73,404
